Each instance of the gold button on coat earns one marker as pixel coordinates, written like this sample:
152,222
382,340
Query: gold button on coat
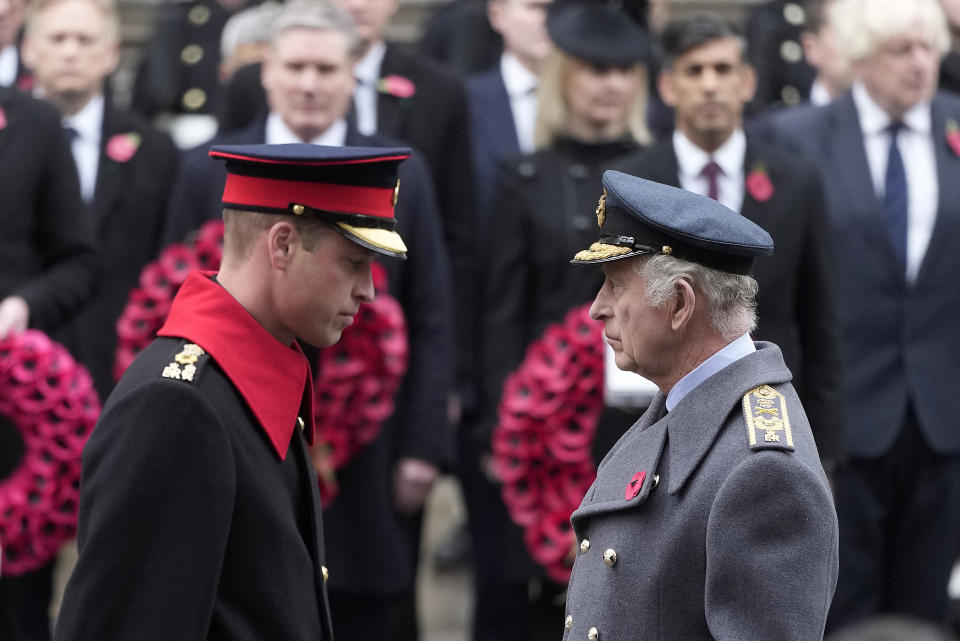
194,98
568,622
325,572
199,15
593,634
584,546
191,54
610,557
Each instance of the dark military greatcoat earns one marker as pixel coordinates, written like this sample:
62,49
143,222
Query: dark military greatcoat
714,521
199,507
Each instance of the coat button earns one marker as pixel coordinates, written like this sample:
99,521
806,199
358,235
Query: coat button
568,622
325,572
194,99
593,634
584,546
610,557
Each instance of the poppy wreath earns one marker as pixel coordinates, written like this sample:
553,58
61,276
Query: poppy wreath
541,445
356,379
48,407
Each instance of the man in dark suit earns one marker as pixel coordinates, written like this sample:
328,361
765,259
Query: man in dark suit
48,272
411,98
707,81
371,529
126,167
200,511
889,158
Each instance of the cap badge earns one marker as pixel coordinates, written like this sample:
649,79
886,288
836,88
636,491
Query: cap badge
667,249
602,209
396,193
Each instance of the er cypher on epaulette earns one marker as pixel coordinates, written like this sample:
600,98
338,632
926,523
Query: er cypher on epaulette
185,364
765,412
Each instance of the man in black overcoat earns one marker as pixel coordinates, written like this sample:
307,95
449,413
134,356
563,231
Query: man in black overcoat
381,491
126,167
200,509
707,81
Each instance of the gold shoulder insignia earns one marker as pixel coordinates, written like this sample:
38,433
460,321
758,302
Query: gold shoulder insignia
765,411
186,363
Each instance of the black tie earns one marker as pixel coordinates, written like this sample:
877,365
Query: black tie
895,197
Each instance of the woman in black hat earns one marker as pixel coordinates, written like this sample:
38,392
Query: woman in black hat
592,99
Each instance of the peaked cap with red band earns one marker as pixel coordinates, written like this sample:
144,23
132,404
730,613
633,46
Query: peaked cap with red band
354,189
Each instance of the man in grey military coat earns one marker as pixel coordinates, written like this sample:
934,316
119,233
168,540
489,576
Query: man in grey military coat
712,517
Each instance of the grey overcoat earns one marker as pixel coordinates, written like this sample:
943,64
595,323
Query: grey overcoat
690,532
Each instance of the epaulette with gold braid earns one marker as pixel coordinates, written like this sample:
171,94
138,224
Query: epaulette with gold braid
185,364
768,425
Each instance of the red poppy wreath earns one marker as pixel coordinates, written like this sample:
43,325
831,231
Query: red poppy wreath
541,445
48,408
356,379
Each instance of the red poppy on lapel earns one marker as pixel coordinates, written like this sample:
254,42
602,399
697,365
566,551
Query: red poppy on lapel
758,183
26,83
953,135
122,147
397,86
633,487
3,119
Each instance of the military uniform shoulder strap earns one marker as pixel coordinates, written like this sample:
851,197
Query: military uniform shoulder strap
768,424
186,363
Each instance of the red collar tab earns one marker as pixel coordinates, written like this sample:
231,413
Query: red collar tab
274,379
291,178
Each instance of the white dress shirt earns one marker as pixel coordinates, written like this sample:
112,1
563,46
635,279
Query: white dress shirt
730,353
367,73
915,142
88,123
691,160
9,61
521,84
819,95
277,133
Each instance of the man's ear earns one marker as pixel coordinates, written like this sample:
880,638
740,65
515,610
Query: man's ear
282,243
748,83
665,87
683,305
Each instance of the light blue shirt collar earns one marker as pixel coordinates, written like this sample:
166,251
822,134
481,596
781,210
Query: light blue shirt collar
733,351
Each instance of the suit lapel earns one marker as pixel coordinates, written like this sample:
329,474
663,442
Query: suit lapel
391,110
110,173
948,169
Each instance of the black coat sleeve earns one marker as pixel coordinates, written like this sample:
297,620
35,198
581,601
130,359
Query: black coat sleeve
63,235
425,294
155,507
504,330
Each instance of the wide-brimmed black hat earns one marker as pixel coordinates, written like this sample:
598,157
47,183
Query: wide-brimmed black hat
600,31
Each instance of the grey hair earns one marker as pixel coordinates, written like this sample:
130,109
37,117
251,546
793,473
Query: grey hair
861,26
253,24
321,15
731,298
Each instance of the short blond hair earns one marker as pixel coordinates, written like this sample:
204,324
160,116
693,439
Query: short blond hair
861,26
552,109
108,7
241,228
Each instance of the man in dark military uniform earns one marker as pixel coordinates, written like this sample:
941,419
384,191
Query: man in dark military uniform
774,34
712,517
199,509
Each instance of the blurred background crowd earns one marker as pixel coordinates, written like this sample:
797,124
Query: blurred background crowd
832,123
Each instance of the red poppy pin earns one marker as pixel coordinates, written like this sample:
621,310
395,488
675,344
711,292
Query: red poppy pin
3,119
633,487
122,147
758,183
953,135
26,83
397,86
